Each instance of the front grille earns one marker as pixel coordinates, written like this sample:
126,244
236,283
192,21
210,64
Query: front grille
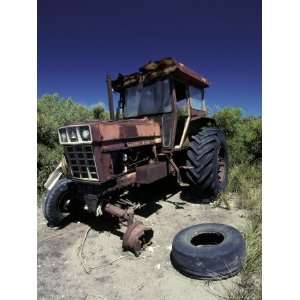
81,161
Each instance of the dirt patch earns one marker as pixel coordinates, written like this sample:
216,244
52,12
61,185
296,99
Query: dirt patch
150,276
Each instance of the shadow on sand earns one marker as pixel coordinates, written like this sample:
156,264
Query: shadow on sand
149,197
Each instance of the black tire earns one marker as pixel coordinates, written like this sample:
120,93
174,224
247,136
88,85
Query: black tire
207,162
58,203
208,251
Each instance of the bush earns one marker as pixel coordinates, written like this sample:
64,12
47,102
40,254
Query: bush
243,135
244,141
100,113
48,158
54,111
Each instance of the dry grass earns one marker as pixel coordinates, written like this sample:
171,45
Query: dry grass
245,182
248,284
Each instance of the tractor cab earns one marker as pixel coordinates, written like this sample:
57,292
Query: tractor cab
166,91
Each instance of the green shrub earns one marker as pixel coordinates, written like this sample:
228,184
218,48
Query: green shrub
48,158
100,113
54,111
243,135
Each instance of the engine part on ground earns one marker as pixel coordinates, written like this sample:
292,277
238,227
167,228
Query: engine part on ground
58,202
208,251
137,236
207,162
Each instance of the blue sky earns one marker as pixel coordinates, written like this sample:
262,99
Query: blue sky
79,42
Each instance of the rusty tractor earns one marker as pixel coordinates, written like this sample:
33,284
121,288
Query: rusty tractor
160,128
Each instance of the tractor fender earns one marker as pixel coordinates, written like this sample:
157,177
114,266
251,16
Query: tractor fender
60,170
204,121
198,123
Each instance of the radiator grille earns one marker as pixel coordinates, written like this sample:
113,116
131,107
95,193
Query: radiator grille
81,161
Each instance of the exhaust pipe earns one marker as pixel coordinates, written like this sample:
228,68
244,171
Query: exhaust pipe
110,97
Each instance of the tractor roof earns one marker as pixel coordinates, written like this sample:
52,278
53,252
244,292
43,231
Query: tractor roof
158,69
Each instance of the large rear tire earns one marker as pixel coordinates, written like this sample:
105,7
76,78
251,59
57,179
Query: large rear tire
207,162
58,203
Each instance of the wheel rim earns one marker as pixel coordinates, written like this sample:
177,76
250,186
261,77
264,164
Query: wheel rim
221,171
64,204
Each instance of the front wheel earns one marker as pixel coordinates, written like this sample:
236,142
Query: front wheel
207,162
58,202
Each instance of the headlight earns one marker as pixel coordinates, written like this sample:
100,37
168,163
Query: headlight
85,133
72,134
75,134
63,135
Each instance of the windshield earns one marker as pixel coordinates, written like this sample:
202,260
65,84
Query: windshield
151,99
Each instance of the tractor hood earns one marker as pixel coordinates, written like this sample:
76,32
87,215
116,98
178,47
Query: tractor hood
103,131
109,132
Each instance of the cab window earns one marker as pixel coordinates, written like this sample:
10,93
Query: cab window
196,97
181,98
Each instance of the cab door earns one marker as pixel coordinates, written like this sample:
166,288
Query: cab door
173,123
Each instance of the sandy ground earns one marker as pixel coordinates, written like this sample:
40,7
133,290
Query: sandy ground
150,276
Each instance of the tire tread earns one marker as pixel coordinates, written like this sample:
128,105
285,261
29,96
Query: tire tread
202,156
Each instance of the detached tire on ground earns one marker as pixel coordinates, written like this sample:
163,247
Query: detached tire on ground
57,204
207,162
208,251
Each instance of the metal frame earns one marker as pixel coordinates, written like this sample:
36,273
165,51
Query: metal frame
110,97
88,162
174,106
191,110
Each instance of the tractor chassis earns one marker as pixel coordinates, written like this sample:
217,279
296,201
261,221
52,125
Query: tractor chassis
137,236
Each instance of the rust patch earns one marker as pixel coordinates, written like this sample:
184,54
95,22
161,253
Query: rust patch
103,131
127,179
137,235
155,70
151,172
144,142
